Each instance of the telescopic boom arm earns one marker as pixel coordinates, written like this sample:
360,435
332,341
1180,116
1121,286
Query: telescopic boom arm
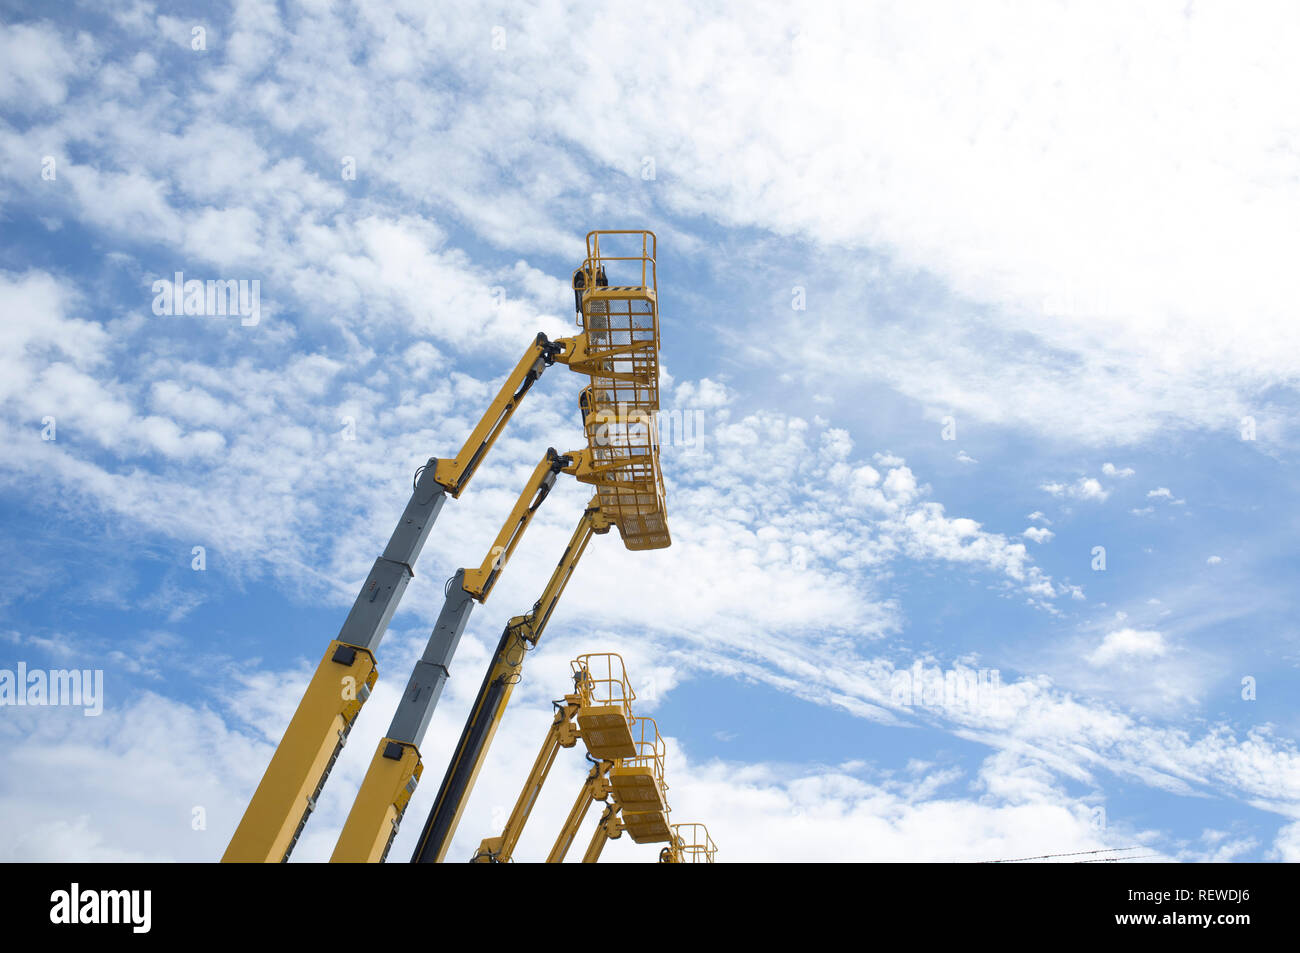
562,734
595,788
455,473
395,768
343,680
521,634
608,828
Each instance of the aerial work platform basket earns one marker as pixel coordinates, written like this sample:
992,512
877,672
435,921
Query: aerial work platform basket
694,845
617,298
639,788
638,782
605,716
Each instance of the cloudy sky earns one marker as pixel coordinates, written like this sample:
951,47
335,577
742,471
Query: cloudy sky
983,319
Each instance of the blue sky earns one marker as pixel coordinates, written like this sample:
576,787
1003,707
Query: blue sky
957,295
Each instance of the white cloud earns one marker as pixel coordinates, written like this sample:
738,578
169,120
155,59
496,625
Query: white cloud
1110,470
1090,335
1286,848
1089,489
1129,644
39,330
36,65
1084,488
1038,534
1214,560
703,394
841,813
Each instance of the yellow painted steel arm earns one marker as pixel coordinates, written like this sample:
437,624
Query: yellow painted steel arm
562,734
478,582
595,788
531,625
454,473
395,769
334,696
579,357
521,634
618,349
608,828
390,781
301,763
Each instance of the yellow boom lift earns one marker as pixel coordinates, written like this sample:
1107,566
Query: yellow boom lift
599,712
618,350
521,634
620,327
639,790
396,767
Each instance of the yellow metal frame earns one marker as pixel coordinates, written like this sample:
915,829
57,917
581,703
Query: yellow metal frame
479,582
605,715
691,844
639,787
342,682
454,473
647,828
620,353
608,828
618,350
595,788
521,633
638,782
602,696
563,733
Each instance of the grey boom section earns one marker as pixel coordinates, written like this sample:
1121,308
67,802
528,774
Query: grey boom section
383,588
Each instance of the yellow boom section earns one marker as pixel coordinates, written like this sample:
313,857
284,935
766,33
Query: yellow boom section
522,633
608,828
619,351
595,788
454,473
479,582
301,763
334,696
